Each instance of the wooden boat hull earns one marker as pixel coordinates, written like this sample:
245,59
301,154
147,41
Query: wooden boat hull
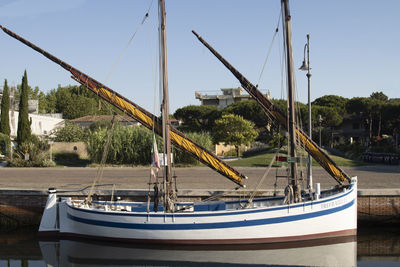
330,216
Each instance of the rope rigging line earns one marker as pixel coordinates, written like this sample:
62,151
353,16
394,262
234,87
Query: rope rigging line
100,170
253,194
121,56
269,49
129,43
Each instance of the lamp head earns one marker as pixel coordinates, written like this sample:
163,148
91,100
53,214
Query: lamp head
304,66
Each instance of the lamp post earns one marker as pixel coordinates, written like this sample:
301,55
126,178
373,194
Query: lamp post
306,67
320,123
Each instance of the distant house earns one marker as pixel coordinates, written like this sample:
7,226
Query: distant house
42,124
174,122
229,96
86,121
351,130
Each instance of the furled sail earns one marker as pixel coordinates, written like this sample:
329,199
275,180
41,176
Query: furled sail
311,147
141,115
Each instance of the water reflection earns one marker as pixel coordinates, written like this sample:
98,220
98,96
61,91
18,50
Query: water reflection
332,252
375,246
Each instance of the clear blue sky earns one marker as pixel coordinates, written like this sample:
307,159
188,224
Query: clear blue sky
354,45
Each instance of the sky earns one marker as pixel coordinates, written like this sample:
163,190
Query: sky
354,46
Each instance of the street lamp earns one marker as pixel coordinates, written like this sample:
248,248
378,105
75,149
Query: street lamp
306,67
320,123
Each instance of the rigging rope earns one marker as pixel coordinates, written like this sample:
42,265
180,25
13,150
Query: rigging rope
129,43
250,201
269,49
122,54
100,170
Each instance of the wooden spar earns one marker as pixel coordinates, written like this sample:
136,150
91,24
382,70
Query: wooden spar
290,84
141,115
311,147
165,106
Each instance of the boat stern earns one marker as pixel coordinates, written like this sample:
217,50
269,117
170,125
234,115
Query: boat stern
49,224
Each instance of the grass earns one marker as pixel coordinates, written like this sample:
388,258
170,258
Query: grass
264,159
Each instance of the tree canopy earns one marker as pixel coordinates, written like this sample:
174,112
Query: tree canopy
24,126
71,132
234,130
250,110
5,107
333,101
330,116
197,118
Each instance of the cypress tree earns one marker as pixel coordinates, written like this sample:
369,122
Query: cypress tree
24,127
5,106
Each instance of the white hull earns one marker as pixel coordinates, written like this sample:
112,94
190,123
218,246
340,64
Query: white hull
226,223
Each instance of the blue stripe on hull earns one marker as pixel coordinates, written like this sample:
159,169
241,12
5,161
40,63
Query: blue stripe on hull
217,225
206,214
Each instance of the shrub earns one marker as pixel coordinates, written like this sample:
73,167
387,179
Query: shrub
128,145
37,157
4,144
352,151
70,133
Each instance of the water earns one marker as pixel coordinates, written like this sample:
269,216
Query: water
373,247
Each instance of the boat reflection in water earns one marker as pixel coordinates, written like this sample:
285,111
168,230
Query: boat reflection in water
328,252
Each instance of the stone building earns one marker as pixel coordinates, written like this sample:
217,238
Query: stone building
229,96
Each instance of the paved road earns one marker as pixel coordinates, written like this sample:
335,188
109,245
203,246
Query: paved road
369,177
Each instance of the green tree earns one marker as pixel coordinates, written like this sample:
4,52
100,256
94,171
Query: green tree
391,113
4,143
24,127
234,130
77,101
380,101
330,116
366,107
333,101
42,102
250,110
5,107
71,132
51,102
379,96
197,118
330,119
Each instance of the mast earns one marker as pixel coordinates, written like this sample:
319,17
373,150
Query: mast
165,107
290,83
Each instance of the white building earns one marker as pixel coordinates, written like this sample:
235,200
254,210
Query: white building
42,124
229,96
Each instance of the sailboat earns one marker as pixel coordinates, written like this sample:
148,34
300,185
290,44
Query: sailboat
297,216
